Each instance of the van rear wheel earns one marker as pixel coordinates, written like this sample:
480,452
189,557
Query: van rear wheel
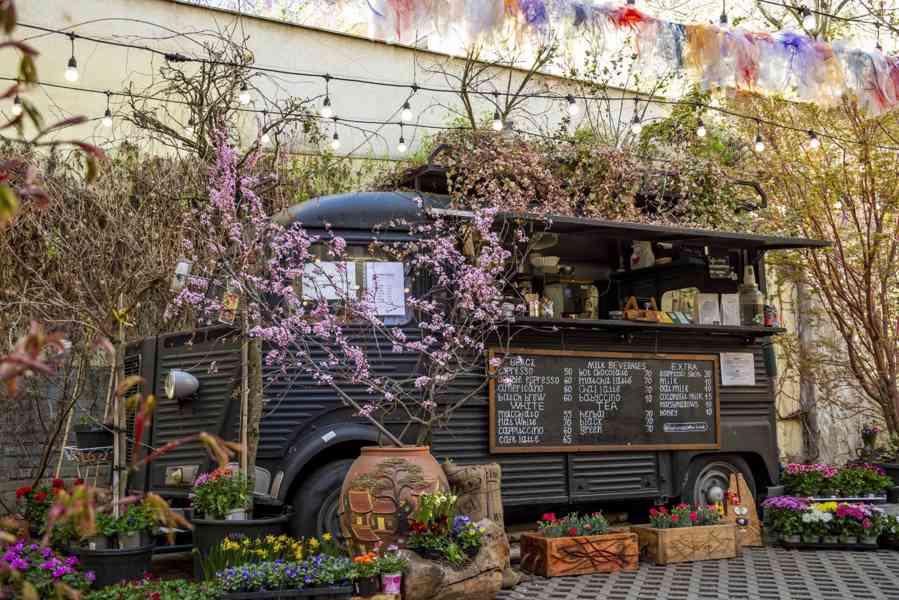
708,477
316,502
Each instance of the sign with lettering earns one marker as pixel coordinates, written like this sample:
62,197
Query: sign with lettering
561,401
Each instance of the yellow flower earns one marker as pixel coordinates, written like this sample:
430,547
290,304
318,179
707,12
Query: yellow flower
313,543
825,506
326,537
245,542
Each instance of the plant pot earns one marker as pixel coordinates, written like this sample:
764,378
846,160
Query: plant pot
686,544
98,542
237,514
848,539
869,540
209,533
579,555
811,539
792,539
369,515
115,566
830,539
392,583
92,436
770,537
135,539
368,586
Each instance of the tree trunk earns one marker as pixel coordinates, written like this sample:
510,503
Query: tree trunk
808,402
254,404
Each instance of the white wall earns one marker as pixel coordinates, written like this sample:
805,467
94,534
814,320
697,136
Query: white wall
166,25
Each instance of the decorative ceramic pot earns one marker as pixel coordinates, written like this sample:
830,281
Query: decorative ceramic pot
392,583
380,490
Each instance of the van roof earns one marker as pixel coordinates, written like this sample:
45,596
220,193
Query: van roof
368,210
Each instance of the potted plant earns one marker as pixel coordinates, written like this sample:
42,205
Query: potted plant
813,525
872,527
786,516
44,569
829,525
687,533
91,434
136,526
319,576
850,517
438,532
577,545
391,567
367,576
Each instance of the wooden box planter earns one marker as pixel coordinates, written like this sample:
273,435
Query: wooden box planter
332,592
581,555
686,544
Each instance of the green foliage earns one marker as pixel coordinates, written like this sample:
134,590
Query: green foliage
216,494
572,525
156,589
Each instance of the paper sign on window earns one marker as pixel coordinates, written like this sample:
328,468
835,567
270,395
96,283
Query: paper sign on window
737,368
328,280
385,283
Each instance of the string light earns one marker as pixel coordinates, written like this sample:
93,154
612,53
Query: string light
327,112
264,139
636,124
16,106
191,125
813,142
701,130
759,141
407,115
72,67
497,118
808,18
244,96
573,108
402,147
335,140
107,116
723,18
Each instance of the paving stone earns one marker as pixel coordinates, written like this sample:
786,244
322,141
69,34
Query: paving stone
759,574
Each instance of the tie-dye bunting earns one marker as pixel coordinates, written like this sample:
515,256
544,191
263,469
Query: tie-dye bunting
783,63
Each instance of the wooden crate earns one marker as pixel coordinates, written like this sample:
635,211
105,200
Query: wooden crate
685,544
581,555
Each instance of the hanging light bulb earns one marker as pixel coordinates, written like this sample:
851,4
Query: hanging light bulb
327,112
265,140
244,96
813,141
407,115
107,116
16,106
402,147
497,121
191,125
722,20
637,125
808,18
701,130
72,67
573,108
759,143
335,142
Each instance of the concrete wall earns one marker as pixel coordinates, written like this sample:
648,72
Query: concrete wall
174,26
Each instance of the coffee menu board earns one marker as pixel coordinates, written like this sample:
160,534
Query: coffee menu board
560,401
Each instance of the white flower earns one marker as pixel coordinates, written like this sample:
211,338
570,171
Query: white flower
827,517
807,517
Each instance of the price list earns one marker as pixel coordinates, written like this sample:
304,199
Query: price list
577,401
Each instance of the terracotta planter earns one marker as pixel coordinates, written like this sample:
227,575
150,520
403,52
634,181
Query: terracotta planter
686,544
581,555
380,489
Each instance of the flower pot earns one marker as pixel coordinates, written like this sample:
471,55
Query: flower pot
686,544
848,539
392,583
209,533
811,539
792,539
97,542
368,586
374,504
579,555
870,540
134,539
830,539
114,566
92,436
770,537
237,514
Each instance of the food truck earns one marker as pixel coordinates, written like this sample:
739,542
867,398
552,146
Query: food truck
643,381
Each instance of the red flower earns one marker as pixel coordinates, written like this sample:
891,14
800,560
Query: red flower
58,483
663,510
154,596
572,531
23,491
693,516
78,481
548,517
40,496
675,518
653,512
683,506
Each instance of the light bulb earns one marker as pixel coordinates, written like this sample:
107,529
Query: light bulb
637,126
72,70
189,130
402,147
813,143
497,121
759,143
327,112
335,142
107,118
407,112
244,96
808,18
573,108
701,131
16,106
265,140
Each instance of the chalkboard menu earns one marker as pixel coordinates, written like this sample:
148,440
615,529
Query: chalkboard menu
559,401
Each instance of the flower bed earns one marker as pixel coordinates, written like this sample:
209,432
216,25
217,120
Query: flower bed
40,569
822,481
148,588
686,533
799,521
438,532
577,545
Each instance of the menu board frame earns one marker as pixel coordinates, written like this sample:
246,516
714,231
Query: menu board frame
495,449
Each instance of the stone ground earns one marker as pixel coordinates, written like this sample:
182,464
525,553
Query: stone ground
760,574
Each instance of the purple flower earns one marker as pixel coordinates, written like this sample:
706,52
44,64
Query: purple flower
786,502
60,571
90,576
19,564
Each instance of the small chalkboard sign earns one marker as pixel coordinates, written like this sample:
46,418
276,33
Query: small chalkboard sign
566,401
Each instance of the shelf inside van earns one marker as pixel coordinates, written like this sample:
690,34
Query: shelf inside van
661,327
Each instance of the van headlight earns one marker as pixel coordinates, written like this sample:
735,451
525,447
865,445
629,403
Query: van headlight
180,384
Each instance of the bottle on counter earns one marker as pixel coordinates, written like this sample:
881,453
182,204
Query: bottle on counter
752,301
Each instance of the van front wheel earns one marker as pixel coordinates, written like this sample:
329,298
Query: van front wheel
317,501
708,478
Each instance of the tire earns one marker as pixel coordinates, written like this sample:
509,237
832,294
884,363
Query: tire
317,499
706,472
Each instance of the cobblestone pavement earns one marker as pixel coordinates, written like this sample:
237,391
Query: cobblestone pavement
760,574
